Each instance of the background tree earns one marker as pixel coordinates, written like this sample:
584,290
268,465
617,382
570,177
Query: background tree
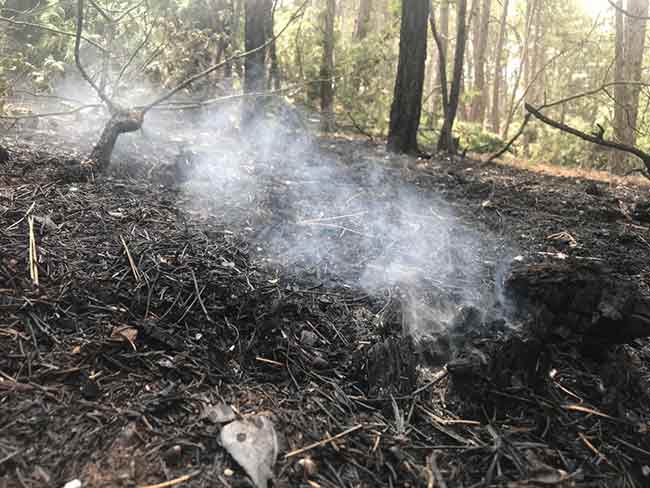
630,43
481,29
327,67
445,141
407,98
256,32
498,69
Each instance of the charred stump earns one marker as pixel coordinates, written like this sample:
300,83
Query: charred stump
581,300
390,367
120,122
4,155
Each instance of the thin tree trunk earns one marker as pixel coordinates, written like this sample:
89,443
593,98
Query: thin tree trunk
442,51
327,67
629,45
274,81
363,20
498,66
480,48
257,13
407,99
531,5
361,28
635,44
445,142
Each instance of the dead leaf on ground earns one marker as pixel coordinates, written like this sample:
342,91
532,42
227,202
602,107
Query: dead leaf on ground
253,444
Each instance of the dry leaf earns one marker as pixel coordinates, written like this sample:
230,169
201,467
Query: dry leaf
253,444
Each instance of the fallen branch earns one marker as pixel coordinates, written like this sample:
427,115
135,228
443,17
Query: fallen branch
594,139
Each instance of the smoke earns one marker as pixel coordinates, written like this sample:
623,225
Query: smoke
339,214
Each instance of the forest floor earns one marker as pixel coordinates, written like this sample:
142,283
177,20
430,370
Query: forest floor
260,285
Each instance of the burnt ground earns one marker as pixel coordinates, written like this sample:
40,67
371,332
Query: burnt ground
264,282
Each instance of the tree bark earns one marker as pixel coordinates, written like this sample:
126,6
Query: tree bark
327,67
257,13
524,64
630,43
442,51
407,98
498,66
480,48
363,20
445,142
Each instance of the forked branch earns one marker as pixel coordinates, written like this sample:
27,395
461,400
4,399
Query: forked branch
77,44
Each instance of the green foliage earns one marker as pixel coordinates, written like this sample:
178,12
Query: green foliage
478,140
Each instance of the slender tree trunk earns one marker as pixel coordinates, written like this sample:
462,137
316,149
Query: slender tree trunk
445,142
480,48
498,67
327,67
524,64
442,52
257,13
634,47
274,81
362,24
629,46
407,99
531,83
361,28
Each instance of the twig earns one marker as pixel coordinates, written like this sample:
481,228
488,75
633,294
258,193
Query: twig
33,258
52,30
174,482
134,269
325,219
198,296
436,472
49,114
322,442
215,67
509,144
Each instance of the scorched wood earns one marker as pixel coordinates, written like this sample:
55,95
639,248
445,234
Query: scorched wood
580,298
121,122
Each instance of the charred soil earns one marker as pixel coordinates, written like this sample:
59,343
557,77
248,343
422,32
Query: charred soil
132,304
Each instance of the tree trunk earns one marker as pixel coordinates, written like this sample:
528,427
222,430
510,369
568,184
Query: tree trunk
120,123
407,98
445,142
498,66
524,64
444,41
273,82
630,43
327,67
257,13
363,20
480,48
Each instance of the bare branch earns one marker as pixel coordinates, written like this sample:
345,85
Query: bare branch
52,30
77,44
509,144
50,114
594,139
215,67
628,13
